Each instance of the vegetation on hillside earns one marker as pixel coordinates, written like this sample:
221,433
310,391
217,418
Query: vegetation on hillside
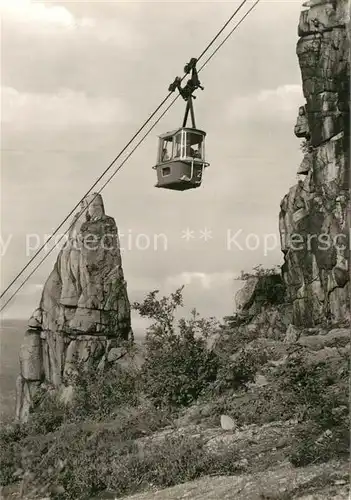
258,272
101,440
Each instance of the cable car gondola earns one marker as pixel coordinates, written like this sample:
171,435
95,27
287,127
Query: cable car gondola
181,152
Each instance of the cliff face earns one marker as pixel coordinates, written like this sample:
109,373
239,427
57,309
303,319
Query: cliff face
84,310
315,214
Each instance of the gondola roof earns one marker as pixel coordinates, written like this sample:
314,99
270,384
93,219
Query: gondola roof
187,129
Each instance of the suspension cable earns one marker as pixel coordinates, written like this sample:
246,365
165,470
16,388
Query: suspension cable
117,157
229,34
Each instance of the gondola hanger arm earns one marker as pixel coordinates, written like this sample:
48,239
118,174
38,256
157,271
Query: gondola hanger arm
192,84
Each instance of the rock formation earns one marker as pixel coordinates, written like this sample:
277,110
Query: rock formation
261,306
258,293
84,310
315,214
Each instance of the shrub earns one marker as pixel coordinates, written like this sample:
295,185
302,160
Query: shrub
98,394
306,381
10,438
314,446
80,457
258,272
238,370
259,406
320,398
174,460
178,365
47,415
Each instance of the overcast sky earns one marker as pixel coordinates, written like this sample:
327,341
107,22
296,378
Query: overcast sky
78,78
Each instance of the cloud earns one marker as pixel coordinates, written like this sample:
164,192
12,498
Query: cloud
28,12
66,108
280,104
35,19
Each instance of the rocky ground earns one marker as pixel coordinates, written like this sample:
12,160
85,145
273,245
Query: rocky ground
263,469
249,431
280,483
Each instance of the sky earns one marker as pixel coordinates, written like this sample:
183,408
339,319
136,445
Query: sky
79,78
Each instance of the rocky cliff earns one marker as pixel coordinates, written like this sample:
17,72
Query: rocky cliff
84,310
315,214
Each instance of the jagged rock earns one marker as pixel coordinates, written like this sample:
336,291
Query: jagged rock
322,16
292,334
115,354
86,291
302,126
30,356
84,309
306,164
313,219
35,321
323,59
338,337
259,291
330,355
326,119
25,392
271,322
244,297
194,414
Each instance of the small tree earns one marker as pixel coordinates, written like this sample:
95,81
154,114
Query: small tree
178,365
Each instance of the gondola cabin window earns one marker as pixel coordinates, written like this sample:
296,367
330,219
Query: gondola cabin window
166,149
178,150
183,145
166,171
193,145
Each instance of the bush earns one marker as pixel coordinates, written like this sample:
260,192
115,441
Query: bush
179,372
259,406
10,438
80,457
306,381
321,404
314,446
178,365
258,272
238,370
174,460
48,413
99,394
